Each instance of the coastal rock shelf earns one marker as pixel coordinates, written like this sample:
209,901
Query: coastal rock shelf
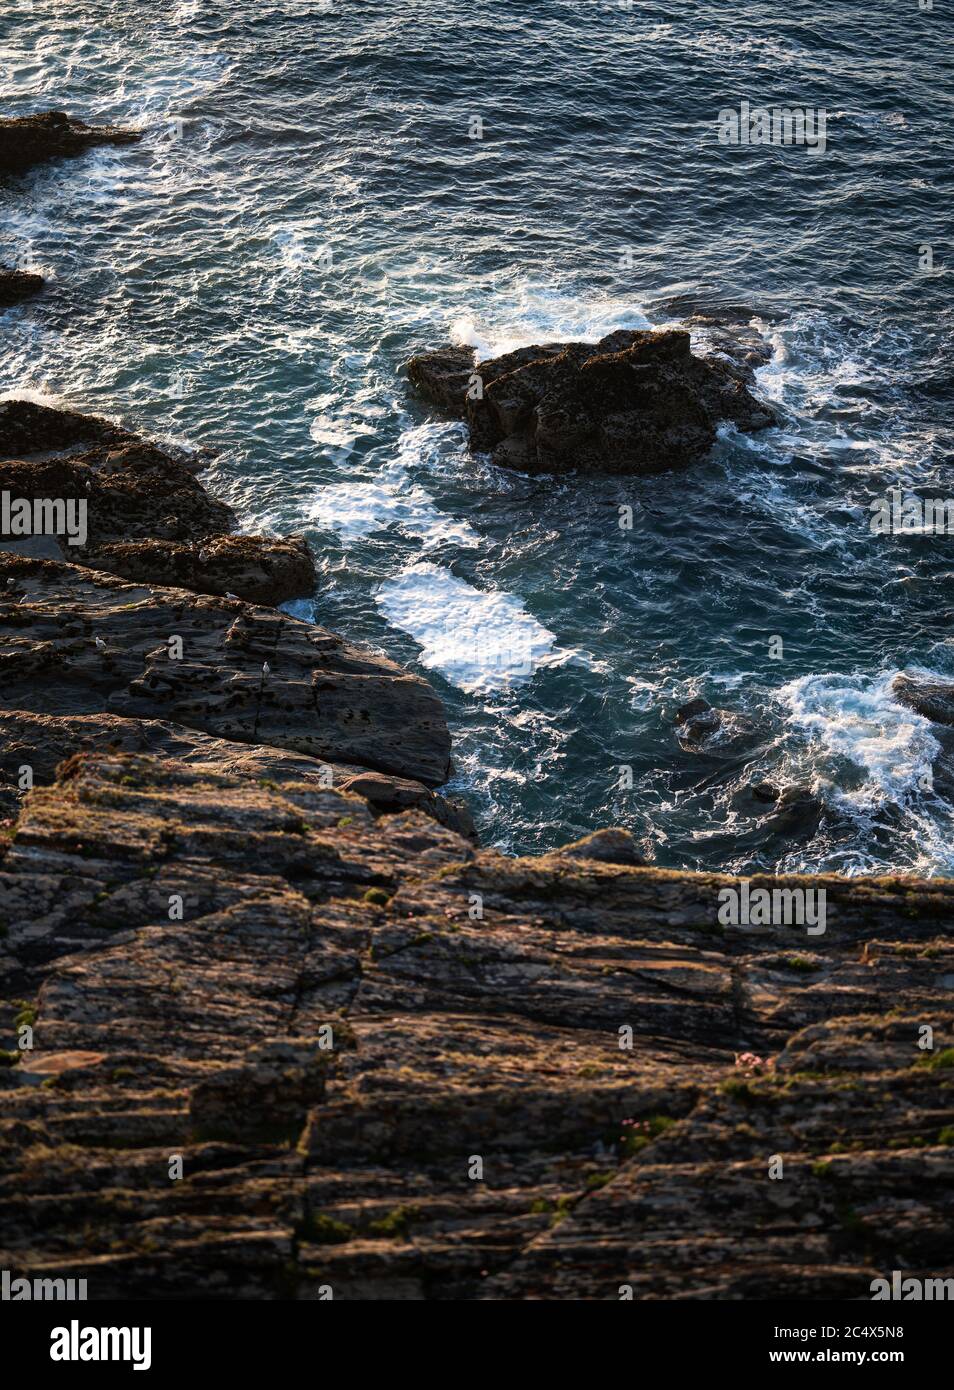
244,933
454,1037
636,402
148,517
75,642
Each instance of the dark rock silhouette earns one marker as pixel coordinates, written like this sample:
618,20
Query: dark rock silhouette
636,402
148,516
17,285
29,140
930,698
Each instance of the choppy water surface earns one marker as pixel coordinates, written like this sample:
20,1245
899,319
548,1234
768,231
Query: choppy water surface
307,209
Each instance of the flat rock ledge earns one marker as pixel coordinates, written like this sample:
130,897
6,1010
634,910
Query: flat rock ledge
407,1068
636,402
29,140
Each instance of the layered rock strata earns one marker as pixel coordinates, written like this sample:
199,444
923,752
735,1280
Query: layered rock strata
390,1064
146,515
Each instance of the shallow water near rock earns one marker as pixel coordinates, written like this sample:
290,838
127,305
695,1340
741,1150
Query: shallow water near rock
306,210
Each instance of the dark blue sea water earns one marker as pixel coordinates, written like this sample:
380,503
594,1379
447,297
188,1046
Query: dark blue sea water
307,208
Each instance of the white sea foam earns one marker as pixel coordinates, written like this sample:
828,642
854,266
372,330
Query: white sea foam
536,314
392,497
480,640
858,719
358,509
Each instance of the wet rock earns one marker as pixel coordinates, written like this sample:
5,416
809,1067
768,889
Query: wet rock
636,402
146,514
701,727
29,140
391,796
16,285
443,376
932,699
609,846
797,810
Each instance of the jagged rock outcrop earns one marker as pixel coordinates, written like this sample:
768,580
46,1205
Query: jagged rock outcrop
29,140
348,1013
74,641
146,514
636,402
17,285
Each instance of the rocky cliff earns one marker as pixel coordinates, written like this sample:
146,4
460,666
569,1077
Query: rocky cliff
273,1024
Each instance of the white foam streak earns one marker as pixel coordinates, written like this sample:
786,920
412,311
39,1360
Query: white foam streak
535,314
480,640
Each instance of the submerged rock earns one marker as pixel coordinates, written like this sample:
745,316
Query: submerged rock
700,726
932,699
29,140
636,402
16,285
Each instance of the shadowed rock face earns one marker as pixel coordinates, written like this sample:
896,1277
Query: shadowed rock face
329,1036
148,517
43,741
29,140
637,402
16,285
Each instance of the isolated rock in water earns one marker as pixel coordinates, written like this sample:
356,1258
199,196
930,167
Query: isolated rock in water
698,724
29,140
612,845
16,285
636,402
932,699
796,811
